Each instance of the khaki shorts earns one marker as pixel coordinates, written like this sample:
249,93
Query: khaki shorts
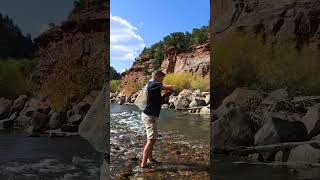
150,122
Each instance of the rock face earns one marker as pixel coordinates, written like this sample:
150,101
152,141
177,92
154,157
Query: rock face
196,61
279,131
290,20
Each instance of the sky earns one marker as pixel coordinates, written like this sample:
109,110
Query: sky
33,16
140,23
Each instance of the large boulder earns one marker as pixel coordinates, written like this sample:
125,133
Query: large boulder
75,119
89,99
207,99
276,96
232,129
36,104
39,120
205,110
81,108
279,131
5,105
197,102
239,96
312,120
305,153
23,121
19,103
184,99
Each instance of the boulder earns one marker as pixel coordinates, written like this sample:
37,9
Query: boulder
207,99
23,121
182,102
312,120
232,129
305,153
205,110
81,108
39,120
55,120
204,94
36,104
6,124
279,131
89,99
196,93
5,106
14,116
19,103
239,96
185,93
197,102
75,119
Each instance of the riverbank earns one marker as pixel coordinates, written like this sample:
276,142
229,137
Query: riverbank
268,127
182,156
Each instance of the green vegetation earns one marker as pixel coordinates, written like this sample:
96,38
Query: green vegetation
14,77
179,41
187,80
244,60
115,85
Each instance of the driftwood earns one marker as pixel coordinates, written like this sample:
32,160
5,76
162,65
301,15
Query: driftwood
243,151
191,108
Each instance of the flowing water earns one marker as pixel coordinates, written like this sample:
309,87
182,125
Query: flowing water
183,144
42,158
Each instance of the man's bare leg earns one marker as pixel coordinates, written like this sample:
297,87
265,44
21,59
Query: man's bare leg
147,152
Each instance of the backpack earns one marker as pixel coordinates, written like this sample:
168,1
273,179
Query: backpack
142,98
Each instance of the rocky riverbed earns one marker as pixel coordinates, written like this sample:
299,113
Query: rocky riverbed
181,156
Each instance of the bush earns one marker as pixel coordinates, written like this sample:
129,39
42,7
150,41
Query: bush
14,77
187,80
245,60
115,85
133,86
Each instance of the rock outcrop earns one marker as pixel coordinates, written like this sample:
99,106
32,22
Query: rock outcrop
285,20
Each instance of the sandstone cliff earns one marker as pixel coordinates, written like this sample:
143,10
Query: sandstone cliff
195,59
287,20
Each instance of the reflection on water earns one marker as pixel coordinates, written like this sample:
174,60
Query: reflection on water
226,168
26,158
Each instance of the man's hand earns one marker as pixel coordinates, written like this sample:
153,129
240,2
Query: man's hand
167,87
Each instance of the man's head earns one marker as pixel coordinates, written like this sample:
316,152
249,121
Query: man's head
158,76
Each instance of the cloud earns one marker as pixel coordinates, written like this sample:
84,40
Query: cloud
125,42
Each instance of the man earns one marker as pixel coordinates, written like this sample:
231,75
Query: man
151,113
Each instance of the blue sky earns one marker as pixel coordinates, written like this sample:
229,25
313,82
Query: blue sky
33,16
139,23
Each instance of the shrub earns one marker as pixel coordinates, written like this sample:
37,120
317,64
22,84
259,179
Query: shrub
133,86
187,80
115,85
14,77
245,60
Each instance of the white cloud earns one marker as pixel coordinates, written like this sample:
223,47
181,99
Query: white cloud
125,42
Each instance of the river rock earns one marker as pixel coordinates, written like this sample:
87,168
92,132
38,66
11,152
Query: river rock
197,102
55,120
205,110
14,116
279,131
305,153
36,104
207,99
75,119
23,121
39,120
6,124
19,103
185,93
204,94
182,102
121,99
5,105
232,129
81,108
312,120
196,93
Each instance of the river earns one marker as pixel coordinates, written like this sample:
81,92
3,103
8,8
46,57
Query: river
43,158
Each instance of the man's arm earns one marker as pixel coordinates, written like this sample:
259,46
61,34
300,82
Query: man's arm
167,87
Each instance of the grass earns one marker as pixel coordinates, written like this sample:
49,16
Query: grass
14,77
187,80
245,60
115,85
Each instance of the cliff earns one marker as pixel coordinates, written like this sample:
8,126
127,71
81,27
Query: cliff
195,59
284,20
73,55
